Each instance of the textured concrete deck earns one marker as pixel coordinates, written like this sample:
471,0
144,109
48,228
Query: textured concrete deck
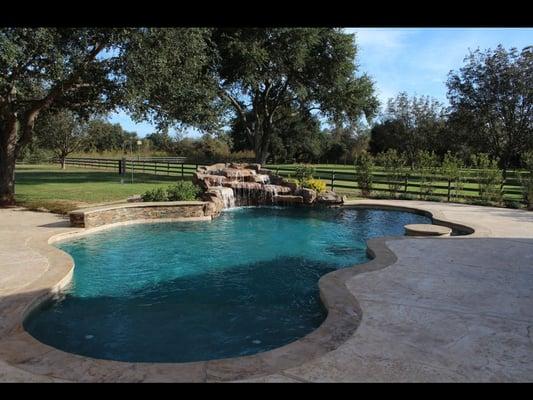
448,309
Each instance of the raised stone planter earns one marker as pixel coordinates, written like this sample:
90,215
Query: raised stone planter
427,230
123,212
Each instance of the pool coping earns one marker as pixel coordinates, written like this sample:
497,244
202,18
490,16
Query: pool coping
19,349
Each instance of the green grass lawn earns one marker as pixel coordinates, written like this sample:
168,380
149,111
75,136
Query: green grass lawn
49,187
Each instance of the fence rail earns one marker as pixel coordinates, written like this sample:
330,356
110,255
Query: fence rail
413,183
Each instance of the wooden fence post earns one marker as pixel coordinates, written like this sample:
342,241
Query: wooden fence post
449,188
332,179
182,170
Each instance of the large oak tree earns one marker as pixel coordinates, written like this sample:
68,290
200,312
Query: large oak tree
46,68
261,71
91,71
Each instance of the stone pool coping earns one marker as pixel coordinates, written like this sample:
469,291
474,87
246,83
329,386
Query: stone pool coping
19,349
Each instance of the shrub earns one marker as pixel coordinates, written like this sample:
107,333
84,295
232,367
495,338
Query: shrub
426,165
436,198
488,176
182,191
37,155
380,195
158,194
451,170
511,204
407,196
526,179
304,173
479,202
315,184
394,166
363,173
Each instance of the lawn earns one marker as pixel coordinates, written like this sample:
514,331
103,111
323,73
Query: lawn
49,187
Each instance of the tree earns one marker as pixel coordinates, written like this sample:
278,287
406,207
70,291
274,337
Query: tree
62,132
170,78
364,168
45,68
491,100
296,137
105,136
261,70
91,71
410,125
162,141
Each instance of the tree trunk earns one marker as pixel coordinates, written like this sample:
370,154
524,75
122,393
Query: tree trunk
261,152
8,141
63,163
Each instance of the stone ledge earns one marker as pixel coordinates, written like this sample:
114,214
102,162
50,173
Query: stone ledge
122,212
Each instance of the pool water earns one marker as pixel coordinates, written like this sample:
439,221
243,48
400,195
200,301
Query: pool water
243,283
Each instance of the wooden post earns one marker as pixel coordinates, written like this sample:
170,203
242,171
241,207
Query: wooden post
168,168
332,179
182,170
449,188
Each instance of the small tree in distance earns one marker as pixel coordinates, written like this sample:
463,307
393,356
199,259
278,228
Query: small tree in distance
62,132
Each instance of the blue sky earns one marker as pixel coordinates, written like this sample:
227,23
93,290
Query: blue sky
413,60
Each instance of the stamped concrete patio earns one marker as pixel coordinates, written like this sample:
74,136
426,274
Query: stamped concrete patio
448,309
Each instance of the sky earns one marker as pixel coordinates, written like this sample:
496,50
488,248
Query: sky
412,60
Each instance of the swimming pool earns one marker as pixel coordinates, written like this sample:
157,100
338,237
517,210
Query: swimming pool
240,284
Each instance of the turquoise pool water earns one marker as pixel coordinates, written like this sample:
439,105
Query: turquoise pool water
243,283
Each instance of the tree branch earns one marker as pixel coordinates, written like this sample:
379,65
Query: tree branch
59,88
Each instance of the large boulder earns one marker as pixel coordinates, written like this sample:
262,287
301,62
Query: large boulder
215,202
329,198
238,173
308,195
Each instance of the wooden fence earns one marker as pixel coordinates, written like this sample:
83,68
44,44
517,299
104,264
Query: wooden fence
411,183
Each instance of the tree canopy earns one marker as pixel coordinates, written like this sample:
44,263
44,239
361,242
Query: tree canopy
491,100
309,69
90,71
255,72
47,68
62,132
410,124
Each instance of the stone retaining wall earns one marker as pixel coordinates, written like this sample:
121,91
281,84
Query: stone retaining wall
99,216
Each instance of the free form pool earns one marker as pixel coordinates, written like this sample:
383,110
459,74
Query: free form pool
244,283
